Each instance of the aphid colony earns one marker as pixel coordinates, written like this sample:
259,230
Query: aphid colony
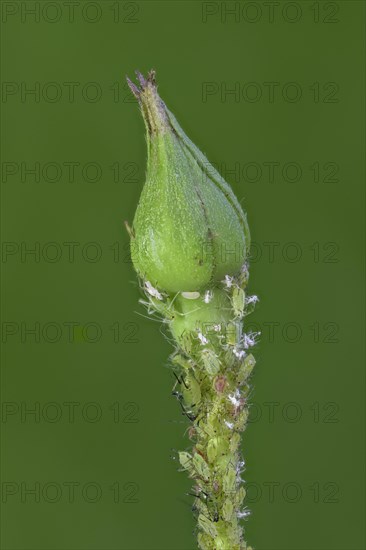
212,367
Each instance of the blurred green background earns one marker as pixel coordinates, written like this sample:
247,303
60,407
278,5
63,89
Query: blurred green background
273,93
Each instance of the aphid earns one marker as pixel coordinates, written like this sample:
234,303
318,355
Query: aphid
210,361
240,467
245,369
208,296
208,428
250,302
244,276
240,496
207,525
227,510
202,338
239,353
216,446
249,339
229,480
228,281
191,391
190,414
200,506
234,398
232,335
161,307
185,460
234,442
180,360
252,299
201,466
204,541
186,342
243,514
153,291
241,421
238,301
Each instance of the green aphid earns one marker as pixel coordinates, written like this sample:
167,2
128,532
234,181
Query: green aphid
180,360
162,307
246,369
201,466
229,480
243,276
186,461
234,442
216,446
238,301
205,542
227,510
239,497
210,361
201,429
222,463
210,427
242,420
229,358
233,334
229,538
186,342
191,391
207,525
201,507
212,450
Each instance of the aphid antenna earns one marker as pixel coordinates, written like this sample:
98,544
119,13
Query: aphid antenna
161,330
151,318
173,299
189,312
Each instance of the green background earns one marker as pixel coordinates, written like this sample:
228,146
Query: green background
305,460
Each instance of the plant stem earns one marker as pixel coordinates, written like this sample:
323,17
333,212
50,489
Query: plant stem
212,367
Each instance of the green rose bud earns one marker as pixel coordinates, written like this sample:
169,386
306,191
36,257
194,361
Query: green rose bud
189,229
189,244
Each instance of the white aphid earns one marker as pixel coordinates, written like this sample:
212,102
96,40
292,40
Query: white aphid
243,514
239,353
230,425
240,466
208,296
228,282
153,291
202,338
249,339
235,398
252,299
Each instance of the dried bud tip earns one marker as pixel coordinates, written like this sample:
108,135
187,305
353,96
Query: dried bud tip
149,81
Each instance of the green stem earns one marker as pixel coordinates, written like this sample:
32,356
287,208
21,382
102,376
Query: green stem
212,367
